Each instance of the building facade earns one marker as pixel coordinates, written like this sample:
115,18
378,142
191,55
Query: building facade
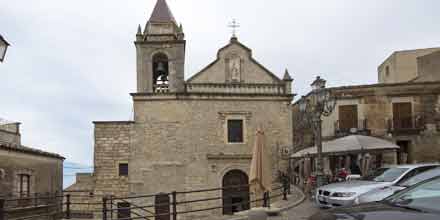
406,113
196,133
403,66
26,173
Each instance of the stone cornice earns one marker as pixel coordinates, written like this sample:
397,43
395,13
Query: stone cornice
113,122
211,96
385,89
229,156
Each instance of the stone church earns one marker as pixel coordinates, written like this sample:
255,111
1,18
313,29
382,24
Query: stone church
193,133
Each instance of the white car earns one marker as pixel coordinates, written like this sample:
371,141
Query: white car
382,193
345,194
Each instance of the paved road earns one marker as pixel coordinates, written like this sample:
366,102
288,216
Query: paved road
300,212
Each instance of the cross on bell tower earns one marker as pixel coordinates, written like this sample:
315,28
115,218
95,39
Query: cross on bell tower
234,25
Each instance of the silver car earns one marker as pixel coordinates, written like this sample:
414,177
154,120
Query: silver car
344,194
382,193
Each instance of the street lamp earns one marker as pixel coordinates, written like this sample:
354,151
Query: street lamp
3,47
319,103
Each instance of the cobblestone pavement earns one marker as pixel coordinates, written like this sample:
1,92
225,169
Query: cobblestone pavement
300,212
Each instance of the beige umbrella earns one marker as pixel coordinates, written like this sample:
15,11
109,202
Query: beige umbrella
260,179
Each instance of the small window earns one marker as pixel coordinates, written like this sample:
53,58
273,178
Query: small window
23,185
235,131
124,210
387,71
123,169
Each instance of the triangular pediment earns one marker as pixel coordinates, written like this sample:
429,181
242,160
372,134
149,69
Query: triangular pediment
235,64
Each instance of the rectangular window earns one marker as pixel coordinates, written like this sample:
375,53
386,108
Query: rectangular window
24,185
124,210
402,115
348,117
235,131
123,169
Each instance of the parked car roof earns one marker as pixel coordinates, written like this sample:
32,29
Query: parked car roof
421,177
411,166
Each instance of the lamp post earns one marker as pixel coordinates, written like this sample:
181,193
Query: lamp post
319,103
3,47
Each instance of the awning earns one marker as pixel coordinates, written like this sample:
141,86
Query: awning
349,144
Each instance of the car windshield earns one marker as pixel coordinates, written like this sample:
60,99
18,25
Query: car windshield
421,177
423,197
385,174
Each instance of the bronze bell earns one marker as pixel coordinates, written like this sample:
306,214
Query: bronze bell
160,68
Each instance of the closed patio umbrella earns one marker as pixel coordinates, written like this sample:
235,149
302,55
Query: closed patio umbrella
260,179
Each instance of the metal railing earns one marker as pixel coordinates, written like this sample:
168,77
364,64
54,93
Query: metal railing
178,203
160,206
412,124
36,206
361,127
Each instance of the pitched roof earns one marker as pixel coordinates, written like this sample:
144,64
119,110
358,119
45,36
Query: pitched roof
234,40
28,150
162,13
5,121
348,144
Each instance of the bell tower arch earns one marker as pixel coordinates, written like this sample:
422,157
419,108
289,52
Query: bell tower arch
160,52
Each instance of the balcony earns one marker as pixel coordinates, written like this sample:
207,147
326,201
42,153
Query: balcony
406,125
161,88
358,127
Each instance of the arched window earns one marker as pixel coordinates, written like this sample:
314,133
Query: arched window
160,71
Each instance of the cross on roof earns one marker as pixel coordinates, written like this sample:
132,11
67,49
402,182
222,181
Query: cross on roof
234,25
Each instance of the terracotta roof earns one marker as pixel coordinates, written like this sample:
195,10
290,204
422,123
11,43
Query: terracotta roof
162,13
28,150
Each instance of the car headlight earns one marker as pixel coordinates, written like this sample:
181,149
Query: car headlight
343,194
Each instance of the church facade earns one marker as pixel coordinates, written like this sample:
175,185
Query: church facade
194,133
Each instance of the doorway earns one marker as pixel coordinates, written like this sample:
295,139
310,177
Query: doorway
404,154
235,192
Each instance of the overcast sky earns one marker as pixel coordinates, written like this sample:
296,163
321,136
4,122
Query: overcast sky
73,61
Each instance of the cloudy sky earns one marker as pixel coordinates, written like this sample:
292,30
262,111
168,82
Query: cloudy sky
73,61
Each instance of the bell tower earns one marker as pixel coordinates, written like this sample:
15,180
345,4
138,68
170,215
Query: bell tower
160,52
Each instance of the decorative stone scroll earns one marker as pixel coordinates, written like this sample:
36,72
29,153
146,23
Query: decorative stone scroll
223,115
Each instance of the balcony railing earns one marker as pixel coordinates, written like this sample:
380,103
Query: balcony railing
360,128
248,88
406,125
161,88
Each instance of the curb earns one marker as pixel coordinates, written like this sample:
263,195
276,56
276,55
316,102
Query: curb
293,205
281,210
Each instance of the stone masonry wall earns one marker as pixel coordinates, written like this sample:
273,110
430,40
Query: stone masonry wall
46,174
9,137
173,138
112,146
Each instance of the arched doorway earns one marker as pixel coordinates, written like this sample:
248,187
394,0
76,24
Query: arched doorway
235,199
